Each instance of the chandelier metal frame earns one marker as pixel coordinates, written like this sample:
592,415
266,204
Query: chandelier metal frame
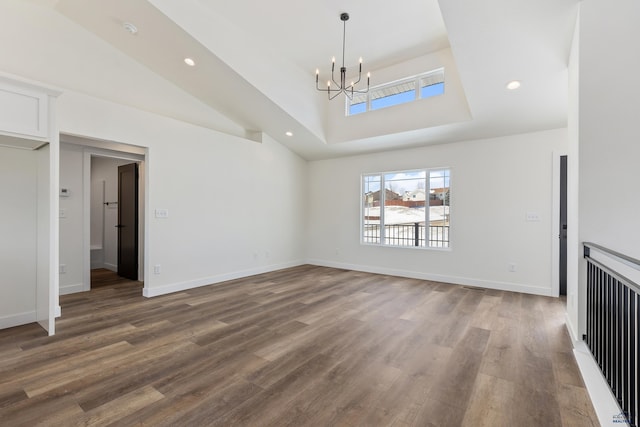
333,88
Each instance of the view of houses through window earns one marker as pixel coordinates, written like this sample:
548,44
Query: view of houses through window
407,208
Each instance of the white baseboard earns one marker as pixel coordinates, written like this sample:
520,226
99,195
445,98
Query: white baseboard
204,281
11,320
111,267
604,403
503,286
100,264
572,332
71,289
465,281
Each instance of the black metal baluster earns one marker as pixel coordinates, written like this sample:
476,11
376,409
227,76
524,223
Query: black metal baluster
590,304
619,309
612,330
590,334
624,367
633,369
600,313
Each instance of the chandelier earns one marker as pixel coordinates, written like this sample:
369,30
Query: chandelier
334,88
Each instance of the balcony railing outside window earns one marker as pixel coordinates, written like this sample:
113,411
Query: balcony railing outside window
412,234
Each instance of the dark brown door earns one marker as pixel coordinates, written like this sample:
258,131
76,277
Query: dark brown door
128,221
563,225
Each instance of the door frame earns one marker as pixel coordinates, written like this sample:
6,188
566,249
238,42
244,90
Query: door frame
563,237
141,159
555,223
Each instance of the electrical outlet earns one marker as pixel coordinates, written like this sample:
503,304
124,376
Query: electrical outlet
156,269
63,213
62,269
512,267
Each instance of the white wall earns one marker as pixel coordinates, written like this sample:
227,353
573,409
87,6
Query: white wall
494,183
236,207
71,224
575,298
18,188
608,127
47,283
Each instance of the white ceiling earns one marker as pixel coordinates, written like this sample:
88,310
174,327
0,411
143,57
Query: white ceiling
256,61
310,33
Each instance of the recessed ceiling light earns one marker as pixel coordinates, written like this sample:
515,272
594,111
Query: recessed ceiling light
190,62
130,28
513,85
289,133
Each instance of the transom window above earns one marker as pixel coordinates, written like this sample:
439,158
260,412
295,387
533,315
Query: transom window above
402,91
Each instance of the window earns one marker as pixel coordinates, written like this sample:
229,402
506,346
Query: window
399,92
407,208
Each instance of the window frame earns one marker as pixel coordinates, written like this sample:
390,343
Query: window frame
417,89
427,216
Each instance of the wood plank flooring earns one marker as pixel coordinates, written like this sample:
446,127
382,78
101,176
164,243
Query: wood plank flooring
101,277
306,346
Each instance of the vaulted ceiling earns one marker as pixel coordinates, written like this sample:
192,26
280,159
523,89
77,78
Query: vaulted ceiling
256,62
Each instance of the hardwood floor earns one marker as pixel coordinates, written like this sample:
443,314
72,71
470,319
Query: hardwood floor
306,346
101,277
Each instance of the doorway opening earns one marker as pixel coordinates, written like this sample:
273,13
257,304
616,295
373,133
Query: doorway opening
89,209
559,225
115,255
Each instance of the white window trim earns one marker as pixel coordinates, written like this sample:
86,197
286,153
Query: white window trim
427,211
417,89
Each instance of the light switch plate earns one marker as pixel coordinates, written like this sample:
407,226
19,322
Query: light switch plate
533,216
162,213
